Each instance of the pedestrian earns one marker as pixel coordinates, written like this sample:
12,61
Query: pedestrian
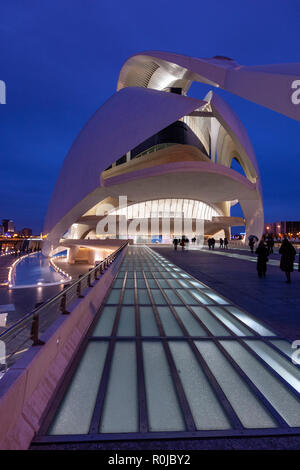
270,244
262,259
182,243
175,243
288,254
225,243
221,242
213,241
251,245
209,243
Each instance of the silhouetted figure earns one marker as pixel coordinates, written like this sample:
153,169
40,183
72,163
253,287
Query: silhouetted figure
288,254
182,243
225,244
262,259
221,242
251,245
270,244
213,241
209,243
175,243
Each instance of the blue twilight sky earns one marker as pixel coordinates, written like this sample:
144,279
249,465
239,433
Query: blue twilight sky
60,60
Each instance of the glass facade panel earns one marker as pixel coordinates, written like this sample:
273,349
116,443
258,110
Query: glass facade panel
287,405
230,322
127,322
76,409
148,323
120,412
207,411
282,366
249,409
164,412
105,323
249,321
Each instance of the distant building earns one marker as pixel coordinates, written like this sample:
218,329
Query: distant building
5,225
8,226
26,232
280,229
11,226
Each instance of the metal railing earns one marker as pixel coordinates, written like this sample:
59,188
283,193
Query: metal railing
155,148
26,332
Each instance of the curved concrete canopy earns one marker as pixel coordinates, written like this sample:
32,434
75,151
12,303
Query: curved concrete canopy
188,180
268,85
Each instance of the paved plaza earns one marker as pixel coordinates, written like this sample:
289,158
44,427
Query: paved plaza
233,274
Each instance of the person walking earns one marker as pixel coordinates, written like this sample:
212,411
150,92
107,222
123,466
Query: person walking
221,242
182,243
270,244
262,259
213,241
225,243
175,243
288,254
209,243
251,245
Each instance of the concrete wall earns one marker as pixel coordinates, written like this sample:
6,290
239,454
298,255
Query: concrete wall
32,381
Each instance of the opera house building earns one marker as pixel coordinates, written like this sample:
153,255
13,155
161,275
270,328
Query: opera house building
153,163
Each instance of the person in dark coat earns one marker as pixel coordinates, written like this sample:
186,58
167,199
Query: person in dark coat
288,254
225,243
251,245
270,244
175,243
262,259
213,241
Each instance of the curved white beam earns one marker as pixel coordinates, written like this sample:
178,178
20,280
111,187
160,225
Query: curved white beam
274,86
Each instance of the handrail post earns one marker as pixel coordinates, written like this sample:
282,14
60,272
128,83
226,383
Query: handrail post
34,332
78,288
89,279
63,304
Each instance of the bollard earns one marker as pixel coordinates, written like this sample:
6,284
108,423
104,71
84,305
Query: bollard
89,280
63,304
78,288
34,333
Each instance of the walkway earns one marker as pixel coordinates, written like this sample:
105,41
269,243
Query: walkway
170,357
243,254
270,299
